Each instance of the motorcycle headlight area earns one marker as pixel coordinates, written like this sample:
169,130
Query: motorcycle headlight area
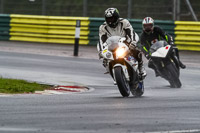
108,55
120,52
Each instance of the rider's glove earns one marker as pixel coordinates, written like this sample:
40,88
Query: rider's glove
134,43
124,40
172,44
148,56
131,47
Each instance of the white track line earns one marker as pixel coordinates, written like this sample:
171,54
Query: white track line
177,131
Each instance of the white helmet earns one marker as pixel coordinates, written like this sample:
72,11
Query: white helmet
148,24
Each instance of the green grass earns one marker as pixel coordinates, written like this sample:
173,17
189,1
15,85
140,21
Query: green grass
14,86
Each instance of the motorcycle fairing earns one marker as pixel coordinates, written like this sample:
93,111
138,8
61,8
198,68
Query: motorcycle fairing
161,52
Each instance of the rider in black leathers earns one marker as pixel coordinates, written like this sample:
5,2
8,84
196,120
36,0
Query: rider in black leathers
150,35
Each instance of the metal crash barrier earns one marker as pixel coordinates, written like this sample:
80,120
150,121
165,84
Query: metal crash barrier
48,29
56,29
187,35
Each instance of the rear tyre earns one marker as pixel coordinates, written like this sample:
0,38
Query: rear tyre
139,90
122,83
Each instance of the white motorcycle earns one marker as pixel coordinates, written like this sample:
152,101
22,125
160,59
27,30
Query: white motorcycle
122,66
166,62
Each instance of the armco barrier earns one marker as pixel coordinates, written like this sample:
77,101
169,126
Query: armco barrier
4,26
168,26
187,35
48,29
51,29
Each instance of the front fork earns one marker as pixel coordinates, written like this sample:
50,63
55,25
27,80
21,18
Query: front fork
124,69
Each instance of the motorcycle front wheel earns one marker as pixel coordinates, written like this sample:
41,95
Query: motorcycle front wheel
173,74
122,83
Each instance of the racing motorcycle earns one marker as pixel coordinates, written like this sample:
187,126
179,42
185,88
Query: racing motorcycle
166,62
122,66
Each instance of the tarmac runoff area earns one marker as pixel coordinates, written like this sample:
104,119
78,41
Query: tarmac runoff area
53,50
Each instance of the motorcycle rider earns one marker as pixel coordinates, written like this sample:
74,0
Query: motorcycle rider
116,26
150,35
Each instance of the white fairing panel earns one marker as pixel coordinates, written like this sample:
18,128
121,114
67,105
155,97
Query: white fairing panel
132,62
161,52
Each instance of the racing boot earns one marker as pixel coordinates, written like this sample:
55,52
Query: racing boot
152,66
142,70
177,54
156,73
181,65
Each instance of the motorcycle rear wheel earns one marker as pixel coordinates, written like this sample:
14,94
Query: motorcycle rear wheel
138,90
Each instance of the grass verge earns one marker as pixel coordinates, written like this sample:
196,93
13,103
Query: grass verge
14,86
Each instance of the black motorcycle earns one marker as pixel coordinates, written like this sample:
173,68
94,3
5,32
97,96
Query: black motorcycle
166,62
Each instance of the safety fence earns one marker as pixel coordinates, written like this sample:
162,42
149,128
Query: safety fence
54,29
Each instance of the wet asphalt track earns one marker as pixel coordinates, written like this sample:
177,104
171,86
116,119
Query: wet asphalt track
101,110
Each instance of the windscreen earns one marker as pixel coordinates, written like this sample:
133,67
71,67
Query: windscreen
113,42
158,45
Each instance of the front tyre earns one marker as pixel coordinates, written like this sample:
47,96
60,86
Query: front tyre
122,83
173,76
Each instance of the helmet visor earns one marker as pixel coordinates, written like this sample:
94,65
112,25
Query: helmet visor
111,21
148,27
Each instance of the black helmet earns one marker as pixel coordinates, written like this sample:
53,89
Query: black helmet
112,17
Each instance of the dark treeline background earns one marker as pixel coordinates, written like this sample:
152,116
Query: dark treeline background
158,9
